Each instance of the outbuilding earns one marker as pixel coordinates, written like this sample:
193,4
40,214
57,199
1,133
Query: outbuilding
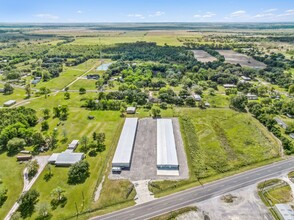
167,158
229,86
73,145
124,151
246,78
23,157
9,103
52,159
65,158
131,110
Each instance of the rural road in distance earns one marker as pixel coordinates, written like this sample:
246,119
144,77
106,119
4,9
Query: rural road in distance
200,193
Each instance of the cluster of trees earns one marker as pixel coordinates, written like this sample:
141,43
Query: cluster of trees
97,144
265,113
53,65
16,130
150,52
61,112
277,66
8,89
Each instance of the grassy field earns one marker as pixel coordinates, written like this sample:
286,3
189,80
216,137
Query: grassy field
160,37
217,100
12,181
226,140
78,125
218,141
18,95
115,192
277,194
69,75
84,83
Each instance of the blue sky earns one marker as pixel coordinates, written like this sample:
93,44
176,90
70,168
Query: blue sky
146,11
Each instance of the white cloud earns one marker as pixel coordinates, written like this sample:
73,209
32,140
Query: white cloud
79,12
287,13
157,14
270,10
239,13
47,16
263,15
136,16
206,15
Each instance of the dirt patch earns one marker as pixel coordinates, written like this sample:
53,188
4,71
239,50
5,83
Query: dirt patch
244,204
203,56
242,59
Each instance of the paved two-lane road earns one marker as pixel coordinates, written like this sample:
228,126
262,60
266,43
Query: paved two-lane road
201,193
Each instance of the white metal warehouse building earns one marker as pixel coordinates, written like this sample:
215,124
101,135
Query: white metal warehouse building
123,154
166,147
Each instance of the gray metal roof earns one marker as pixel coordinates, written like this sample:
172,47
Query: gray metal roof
65,158
73,144
131,108
166,146
124,150
53,158
285,211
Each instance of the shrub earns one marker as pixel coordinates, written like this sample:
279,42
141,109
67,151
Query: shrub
78,172
33,167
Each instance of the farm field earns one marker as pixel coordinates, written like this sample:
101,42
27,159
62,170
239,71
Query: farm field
203,56
159,37
237,58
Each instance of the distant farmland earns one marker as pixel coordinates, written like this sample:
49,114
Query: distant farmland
203,56
238,58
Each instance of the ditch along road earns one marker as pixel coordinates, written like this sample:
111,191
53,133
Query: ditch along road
200,193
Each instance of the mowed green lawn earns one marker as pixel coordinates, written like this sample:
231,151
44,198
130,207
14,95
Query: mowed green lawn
18,95
69,75
224,140
76,126
88,84
12,181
